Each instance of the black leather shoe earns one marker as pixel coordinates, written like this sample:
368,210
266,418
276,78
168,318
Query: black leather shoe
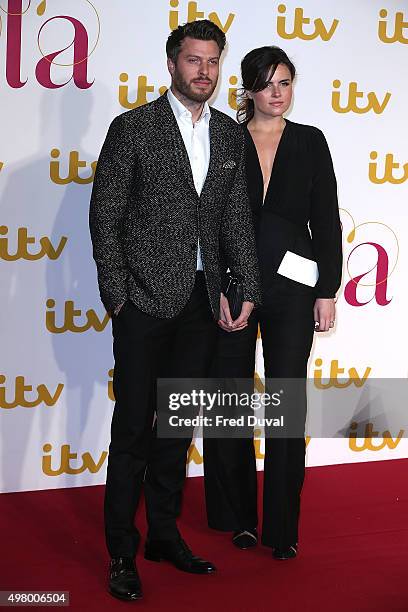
284,553
178,553
124,581
245,539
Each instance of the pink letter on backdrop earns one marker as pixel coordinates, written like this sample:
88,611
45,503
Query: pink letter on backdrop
350,290
80,66
13,53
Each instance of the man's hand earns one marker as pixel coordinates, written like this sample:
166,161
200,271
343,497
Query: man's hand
225,320
324,314
226,323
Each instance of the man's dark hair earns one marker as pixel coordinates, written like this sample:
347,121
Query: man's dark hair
200,30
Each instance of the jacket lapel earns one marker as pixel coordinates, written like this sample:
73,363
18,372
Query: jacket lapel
170,136
217,145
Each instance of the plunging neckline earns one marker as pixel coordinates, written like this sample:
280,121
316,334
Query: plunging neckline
266,194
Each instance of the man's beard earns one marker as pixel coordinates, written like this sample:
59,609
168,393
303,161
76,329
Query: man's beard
186,89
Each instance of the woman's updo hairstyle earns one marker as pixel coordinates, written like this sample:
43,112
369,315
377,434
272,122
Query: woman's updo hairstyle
257,68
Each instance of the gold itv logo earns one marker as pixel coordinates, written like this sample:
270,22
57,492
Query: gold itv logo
372,440
193,13
392,171
143,88
64,465
47,249
318,30
353,95
351,377
399,27
70,319
74,165
25,396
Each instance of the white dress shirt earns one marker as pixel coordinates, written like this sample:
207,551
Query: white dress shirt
196,139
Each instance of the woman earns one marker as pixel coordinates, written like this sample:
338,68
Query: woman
292,187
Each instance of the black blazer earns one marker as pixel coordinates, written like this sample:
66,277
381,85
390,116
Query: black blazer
300,212
146,216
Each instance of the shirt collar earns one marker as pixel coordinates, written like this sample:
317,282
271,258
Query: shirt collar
180,110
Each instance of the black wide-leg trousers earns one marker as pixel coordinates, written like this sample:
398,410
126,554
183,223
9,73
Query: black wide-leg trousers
287,328
146,348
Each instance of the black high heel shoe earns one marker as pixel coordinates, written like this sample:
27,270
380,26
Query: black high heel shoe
246,538
284,553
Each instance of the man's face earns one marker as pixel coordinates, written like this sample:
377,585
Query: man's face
195,74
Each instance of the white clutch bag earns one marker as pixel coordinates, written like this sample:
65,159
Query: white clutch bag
299,269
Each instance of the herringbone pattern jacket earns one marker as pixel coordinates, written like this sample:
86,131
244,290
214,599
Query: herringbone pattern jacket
146,216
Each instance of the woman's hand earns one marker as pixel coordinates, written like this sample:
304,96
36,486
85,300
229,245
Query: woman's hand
225,321
324,314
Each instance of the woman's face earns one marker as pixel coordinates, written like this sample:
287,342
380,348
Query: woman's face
276,98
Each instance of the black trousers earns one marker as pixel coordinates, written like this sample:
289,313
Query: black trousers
287,328
146,348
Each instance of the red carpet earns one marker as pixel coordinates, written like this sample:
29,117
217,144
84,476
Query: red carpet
353,554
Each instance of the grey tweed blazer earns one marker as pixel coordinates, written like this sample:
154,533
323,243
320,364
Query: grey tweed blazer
146,216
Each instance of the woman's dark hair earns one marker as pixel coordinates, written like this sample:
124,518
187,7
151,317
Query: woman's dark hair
200,30
257,68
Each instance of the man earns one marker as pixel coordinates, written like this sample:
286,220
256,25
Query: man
169,192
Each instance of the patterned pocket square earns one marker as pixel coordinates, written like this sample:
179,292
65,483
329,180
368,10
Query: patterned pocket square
228,165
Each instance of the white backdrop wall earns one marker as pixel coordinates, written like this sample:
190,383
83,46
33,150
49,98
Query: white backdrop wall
56,358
